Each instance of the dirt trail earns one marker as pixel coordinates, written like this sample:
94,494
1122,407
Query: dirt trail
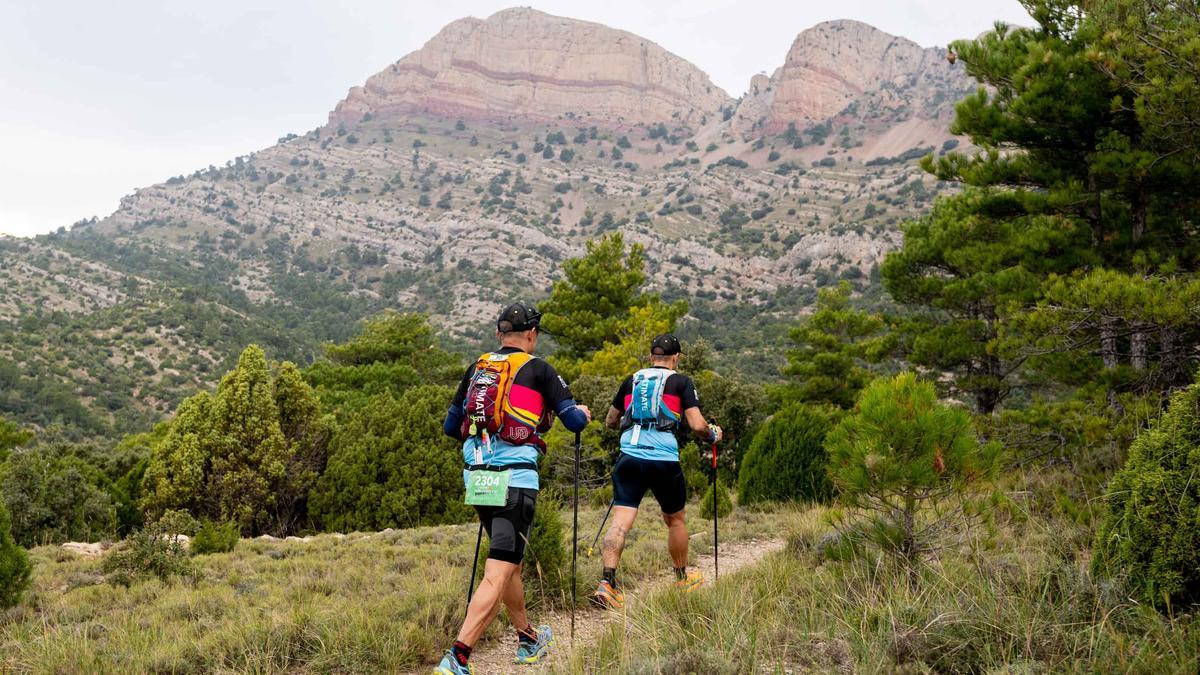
494,657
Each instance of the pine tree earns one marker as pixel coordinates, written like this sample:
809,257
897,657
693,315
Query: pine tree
833,350
1153,48
248,455
175,477
11,436
393,352
721,497
787,459
307,432
1065,176
54,494
899,451
972,263
390,465
589,305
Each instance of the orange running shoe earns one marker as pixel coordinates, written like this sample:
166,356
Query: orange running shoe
607,596
691,582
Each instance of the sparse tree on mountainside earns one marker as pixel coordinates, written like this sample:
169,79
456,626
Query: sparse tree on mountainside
596,296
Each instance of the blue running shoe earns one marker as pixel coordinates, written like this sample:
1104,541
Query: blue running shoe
450,666
533,652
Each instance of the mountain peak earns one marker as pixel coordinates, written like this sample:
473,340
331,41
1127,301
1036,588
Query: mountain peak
842,65
523,63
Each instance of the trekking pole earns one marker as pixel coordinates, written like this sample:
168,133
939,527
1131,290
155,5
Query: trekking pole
474,564
575,537
716,547
592,548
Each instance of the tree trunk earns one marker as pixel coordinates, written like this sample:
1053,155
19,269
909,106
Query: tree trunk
1168,359
1137,206
1138,348
990,392
1108,353
1108,342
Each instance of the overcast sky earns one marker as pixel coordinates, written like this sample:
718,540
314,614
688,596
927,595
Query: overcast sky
98,97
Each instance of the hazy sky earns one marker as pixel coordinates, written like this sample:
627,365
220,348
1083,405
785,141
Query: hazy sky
98,97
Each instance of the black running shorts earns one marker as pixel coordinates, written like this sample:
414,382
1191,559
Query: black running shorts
508,526
633,476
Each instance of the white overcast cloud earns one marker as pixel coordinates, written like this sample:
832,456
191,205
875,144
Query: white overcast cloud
99,98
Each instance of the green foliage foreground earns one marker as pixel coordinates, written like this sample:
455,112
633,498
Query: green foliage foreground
900,451
1014,598
1151,531
14,564
787,459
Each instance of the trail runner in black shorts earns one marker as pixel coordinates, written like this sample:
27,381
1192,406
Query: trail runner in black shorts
652,407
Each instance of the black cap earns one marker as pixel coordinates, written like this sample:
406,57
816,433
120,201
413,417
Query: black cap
665,345
518,317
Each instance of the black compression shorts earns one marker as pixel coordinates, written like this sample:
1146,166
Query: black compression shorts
633,476
508,526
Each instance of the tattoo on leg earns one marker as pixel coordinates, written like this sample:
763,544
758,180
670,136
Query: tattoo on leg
614,541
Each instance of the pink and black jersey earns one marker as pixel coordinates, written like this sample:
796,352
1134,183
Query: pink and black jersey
679,395
536,390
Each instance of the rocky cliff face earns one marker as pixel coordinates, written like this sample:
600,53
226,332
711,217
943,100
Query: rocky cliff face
398,205
524,64
847,67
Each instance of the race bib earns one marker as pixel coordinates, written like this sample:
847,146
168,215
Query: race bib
487,488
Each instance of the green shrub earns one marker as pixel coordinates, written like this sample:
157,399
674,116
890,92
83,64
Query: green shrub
14,564
214,537
53,494
898,452
547,558
175,521
1150,534
724,504
695,470
249,452
149,552
787,459
390,465
599,497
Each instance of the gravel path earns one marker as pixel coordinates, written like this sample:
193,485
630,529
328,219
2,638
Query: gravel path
494,657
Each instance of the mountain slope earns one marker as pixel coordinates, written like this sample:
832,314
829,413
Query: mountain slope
462,176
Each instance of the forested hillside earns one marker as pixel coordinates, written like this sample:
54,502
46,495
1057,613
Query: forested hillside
438,205
960,381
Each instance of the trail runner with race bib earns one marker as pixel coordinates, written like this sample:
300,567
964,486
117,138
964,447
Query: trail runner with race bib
652,408
505,401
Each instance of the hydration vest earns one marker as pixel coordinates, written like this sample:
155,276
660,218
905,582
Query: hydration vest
647,408
496,407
